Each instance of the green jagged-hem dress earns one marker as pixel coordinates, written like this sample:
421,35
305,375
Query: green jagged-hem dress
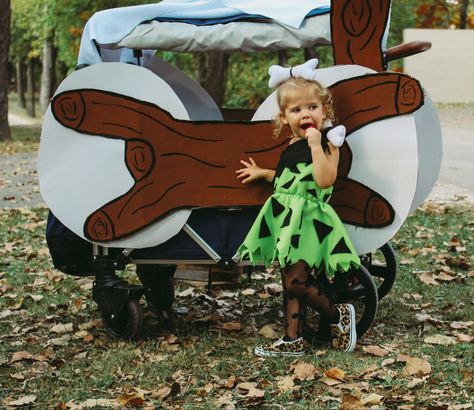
296,223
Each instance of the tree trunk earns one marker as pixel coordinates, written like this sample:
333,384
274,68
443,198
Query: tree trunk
20,83
30,88
212,74
47,73
283,58
463,14
5,13
310,53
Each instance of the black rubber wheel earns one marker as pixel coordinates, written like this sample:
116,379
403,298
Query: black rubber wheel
358,288
129,324
159,281
382,265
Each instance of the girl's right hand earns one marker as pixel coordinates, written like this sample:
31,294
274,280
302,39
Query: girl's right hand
251,172
313,136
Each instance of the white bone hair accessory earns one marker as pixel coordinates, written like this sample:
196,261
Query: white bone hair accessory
336,135
279,74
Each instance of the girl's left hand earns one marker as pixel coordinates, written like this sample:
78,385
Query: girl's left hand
251,172
313,136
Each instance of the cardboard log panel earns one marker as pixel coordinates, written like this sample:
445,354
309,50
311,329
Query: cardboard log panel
345,160
178,164
357,29
175,164
360,101
360,205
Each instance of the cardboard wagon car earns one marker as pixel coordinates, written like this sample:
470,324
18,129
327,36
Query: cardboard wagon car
137,162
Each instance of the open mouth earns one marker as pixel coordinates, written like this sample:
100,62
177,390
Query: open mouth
308,125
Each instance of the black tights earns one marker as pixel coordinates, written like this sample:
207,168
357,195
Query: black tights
301,291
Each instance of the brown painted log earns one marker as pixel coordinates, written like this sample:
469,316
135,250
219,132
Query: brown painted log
359,205
359,101
345,160
175,164
357,29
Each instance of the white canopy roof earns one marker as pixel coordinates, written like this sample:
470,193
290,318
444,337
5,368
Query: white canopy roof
240,35
109,27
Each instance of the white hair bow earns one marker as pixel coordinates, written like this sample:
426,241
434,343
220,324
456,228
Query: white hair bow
279,74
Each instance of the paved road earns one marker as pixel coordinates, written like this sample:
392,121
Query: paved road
19,184
457,168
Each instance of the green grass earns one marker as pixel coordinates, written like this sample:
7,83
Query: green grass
197,362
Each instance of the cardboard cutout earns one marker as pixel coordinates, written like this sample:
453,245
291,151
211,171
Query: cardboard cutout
134,158
430,150
358,30
79,173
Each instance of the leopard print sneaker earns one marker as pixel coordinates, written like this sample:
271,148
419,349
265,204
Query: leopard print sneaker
344,332
282,347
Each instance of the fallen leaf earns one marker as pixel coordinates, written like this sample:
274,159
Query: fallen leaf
304,371
251,389
203,391
350,402
460,406
415,382
92,403
76,305
285,383
371,399
387,362
187,292
375,350
424,317
232,326
23,355
223,295
428,278
60,341
268,332
131,400
62,328
445,277
162,393
335,373
273,288
440,340
23,401
248,292
230,382
462,325
35,298
402,357
17,376
463,338
416,367
329,381
225,401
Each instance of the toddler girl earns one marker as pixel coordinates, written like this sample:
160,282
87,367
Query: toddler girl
296,226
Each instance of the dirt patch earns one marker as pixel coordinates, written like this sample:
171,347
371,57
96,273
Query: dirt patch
19,181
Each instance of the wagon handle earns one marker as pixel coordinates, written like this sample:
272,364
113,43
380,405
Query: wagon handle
405,50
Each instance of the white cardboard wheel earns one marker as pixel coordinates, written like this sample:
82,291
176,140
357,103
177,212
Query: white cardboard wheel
79,173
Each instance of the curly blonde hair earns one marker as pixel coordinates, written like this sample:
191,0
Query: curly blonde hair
298,85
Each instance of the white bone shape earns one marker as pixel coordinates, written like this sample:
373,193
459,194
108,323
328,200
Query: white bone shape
279,74
337,135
